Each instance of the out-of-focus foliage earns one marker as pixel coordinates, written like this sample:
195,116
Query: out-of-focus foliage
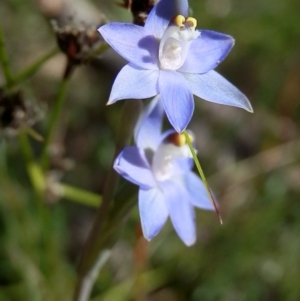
251,161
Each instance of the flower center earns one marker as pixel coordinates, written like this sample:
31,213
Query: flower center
175,43
164,164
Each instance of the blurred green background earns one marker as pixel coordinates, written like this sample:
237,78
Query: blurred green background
251,162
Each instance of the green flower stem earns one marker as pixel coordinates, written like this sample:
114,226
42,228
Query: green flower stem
38,181
54,116
4,61
201,173
3,163
23,75
34,134
107,239
89,280
95,242
34,172
79,195
29,71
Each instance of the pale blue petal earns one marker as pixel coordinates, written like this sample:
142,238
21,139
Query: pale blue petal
180,210
133,43
133,166
182,165
162,13
213,87
207,52
177,99
147,132
197,191
153,211
133,82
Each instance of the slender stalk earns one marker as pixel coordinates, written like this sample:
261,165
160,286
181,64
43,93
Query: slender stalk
3,163
98,234
38,182
201,173
29,71
34,172
54,116
34,134
4,60
79,195
89,279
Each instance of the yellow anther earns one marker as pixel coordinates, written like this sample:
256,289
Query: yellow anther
179,20
181,140
176,139
192,22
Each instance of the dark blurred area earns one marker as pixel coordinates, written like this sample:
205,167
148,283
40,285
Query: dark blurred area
251,161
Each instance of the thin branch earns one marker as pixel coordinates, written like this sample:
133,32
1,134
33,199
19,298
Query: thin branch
29,71
54,116
4,60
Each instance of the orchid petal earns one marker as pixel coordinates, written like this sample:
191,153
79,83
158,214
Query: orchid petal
153,211
147,132
182,165
213,87
133,166
162,13
207,52
180,210
133,43
197,191
133,82
177,99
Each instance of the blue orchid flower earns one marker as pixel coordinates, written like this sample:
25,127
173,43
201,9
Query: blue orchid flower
168,56
160,164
